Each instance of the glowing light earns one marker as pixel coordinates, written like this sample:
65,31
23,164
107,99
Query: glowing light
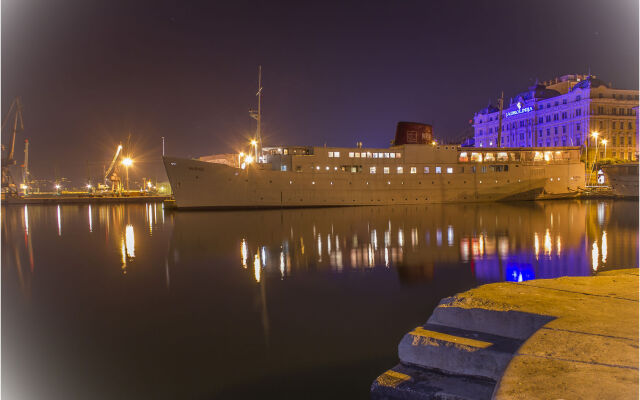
594,256
558,246
547,243
127,162
59,223
374,239
130,241
149,184
281,265
604,247
244,252
26,219
57,186
248,159
254,142
595,134
604,141
264,256
536,244
89,186
256,267
450,235
400,237
386,256
90,220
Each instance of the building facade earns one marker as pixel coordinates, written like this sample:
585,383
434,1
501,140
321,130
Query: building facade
565,112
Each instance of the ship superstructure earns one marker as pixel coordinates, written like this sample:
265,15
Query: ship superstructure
415,170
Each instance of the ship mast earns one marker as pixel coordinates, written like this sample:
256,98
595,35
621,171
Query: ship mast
259,94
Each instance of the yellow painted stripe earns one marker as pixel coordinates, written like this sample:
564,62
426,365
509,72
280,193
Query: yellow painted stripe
392,378
419,331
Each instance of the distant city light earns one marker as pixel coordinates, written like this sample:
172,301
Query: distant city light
127,162
248,159
57,186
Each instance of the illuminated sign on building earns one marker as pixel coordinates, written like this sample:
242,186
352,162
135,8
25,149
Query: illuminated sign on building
520,110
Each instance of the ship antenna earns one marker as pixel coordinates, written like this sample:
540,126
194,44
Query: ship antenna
259,94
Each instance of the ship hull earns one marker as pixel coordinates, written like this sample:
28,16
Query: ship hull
198,184
623,179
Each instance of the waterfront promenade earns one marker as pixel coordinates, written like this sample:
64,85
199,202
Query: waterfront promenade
563,338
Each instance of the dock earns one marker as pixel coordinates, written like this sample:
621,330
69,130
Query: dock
570,337
75,198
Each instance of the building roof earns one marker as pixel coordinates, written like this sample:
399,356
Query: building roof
590,83
538,91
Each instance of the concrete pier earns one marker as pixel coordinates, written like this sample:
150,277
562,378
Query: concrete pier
82,199
564,338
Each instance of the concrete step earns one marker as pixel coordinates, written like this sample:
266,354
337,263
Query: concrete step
404,382
458,351
514,324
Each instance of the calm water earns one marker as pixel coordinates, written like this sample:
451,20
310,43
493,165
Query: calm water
129,301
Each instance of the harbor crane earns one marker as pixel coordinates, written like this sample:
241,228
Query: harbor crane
111,176
26,175
14,113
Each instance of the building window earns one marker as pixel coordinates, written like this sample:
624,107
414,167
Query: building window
578,112
578,127
564,129
400,170
331,154
386,170
398,155
564,101
630,126
357,155
375,155
578,98
372,170
392,155
548,131
386,155
336,154
613,125
555,130
414,170
426,170
463,157
438,170
540,133
449,170
540,120
351,154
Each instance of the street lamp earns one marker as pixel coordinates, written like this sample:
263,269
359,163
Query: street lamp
604,142
254,143
127,162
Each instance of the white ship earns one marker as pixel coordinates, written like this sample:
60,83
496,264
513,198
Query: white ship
414,170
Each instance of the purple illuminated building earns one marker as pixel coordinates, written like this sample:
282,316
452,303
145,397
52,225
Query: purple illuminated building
564,112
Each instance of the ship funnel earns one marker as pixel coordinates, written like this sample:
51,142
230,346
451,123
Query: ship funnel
413,133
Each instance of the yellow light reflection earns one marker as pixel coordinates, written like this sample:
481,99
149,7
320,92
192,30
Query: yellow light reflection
400,237
558,246
604,247
130,242
59,223
281,265
256,266
594,256
547,243
536,244
90,220
244,252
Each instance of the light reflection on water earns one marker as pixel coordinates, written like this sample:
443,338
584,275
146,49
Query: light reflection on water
210,275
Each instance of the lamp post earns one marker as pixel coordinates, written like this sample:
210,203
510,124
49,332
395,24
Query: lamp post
127,162
254,143
240,155
594,135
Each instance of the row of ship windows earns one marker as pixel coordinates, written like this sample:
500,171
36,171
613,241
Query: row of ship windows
366,154
414,170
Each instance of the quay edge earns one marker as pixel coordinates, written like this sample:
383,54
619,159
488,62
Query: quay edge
570,337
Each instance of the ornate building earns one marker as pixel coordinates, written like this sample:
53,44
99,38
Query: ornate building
565,112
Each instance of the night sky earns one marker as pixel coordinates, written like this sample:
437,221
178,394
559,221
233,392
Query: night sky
91,72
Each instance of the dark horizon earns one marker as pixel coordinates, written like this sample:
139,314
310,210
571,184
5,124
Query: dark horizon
90,72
